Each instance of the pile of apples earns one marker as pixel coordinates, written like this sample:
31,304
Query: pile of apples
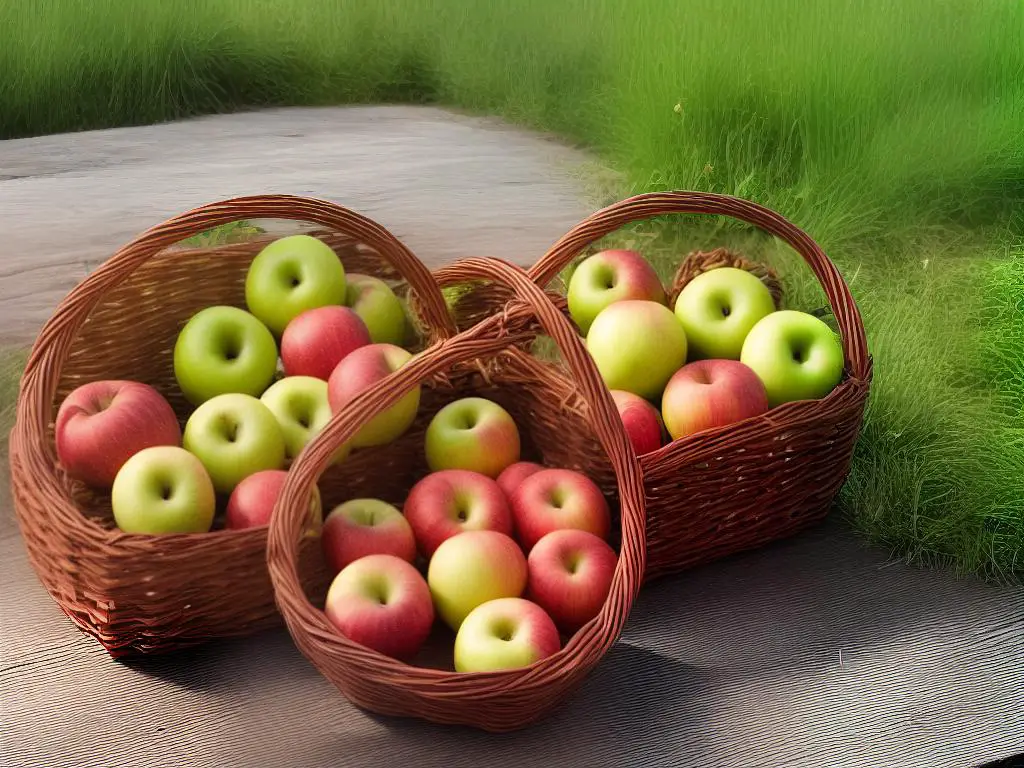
508,554
329,333
721,354
511,555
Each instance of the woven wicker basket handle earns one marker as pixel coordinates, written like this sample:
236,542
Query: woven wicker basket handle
484,339
57,334
607,220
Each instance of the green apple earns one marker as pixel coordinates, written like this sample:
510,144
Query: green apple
607,277
472,433
718,308
796,355
224,349
300,405
235,436
363,368
507,633
471,568
637,346
291,275
163,489
374,301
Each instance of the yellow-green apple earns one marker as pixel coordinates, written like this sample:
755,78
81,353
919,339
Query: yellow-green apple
607,277
706,394
472,433
641,420
507,633
553,499
363,368
163,489
101,424
451,501
718,308
252,502
301,407
315,342
637,346
569,575
471,568
362,527
378,306
382,603
234,436
224,349
796,355
289,276
512,475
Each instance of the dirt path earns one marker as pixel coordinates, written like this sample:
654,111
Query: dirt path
449,186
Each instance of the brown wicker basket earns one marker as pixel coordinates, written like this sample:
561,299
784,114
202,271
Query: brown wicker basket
739,487
563,422
138,593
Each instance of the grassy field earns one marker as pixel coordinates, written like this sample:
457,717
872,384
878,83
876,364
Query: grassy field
890,131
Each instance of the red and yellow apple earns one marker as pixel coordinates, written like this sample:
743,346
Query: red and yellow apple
641,420
362,527
711,393
553,499
608,277
251,503
451,501
507,633
100,425
472,433
637,346
472,568
514,474
317,340
362,368
569,575
382,603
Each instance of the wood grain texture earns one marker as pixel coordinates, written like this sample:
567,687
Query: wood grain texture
812,652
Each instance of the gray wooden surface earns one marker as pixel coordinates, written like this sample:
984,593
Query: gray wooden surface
815,652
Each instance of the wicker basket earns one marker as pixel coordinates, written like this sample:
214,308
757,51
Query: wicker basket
739,487
563,422
157,593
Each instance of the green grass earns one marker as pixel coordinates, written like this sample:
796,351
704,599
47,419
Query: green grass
890,131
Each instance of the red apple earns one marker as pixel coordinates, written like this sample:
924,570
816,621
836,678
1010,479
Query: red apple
362,527
608,277
317,340
381,602
553,499
451,501
514,474
641,420
711,393
361,369
252,500
100,425
569,575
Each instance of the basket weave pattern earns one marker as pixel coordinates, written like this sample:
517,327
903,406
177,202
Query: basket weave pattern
151,594
561,421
